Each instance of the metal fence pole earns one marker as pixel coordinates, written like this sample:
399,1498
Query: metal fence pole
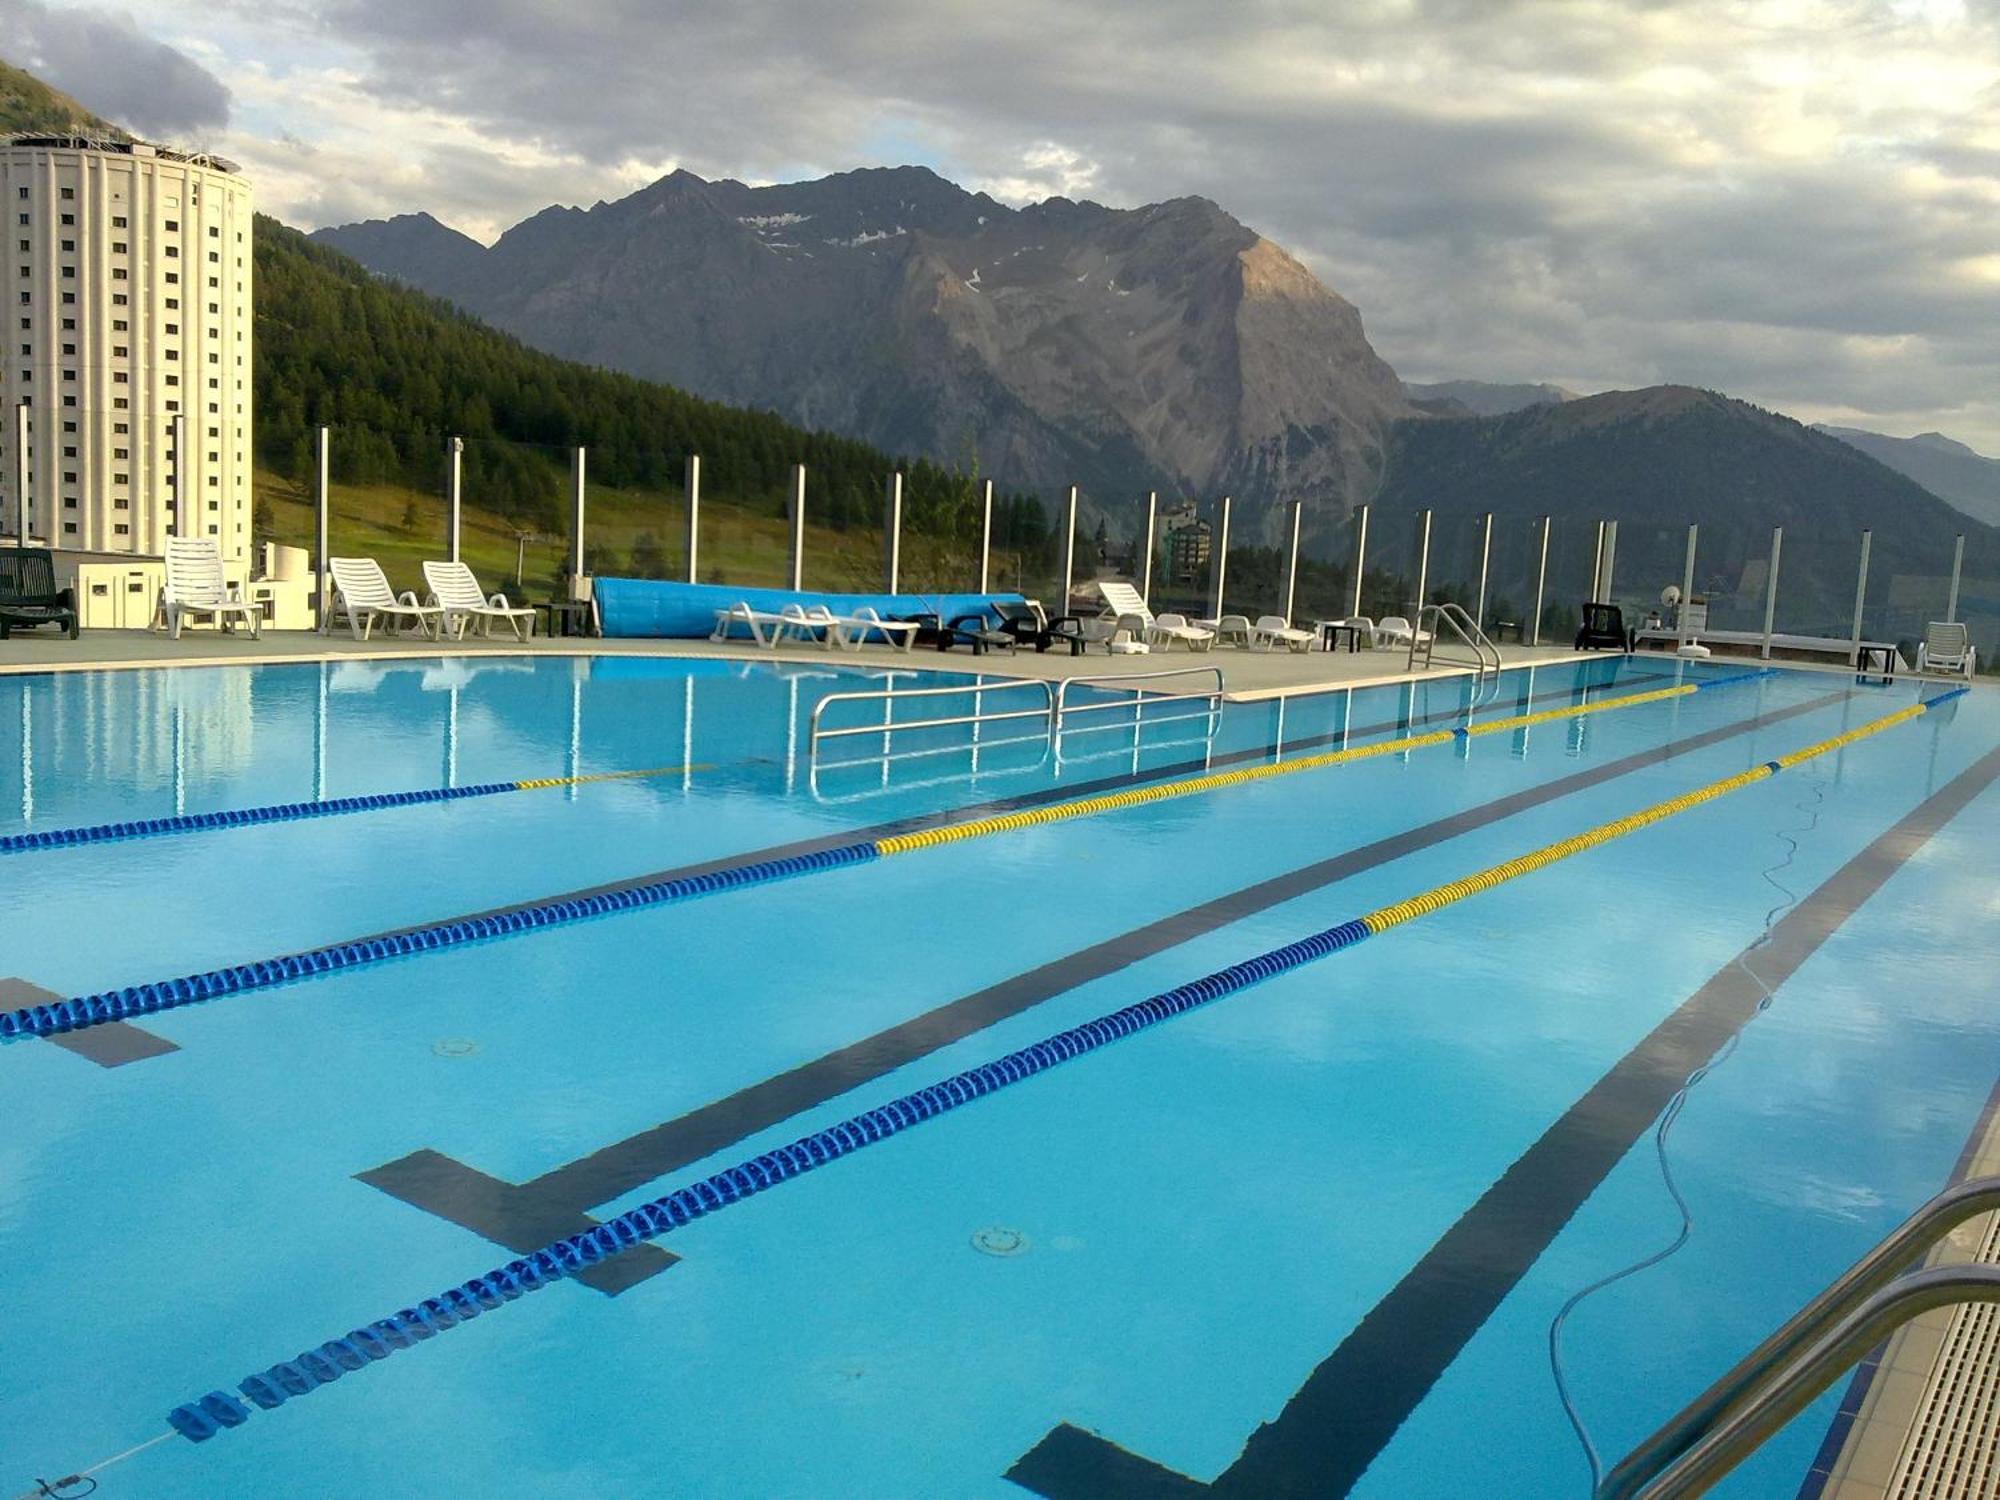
892,533
1610,555
1146,567
454,492
1687,584
985,533
1771,587
1292,569
1957,565
183,524
21,475
576,482
1541,584
693,516
1423,568
1597,568
1069,551
1860,598
1360,558
1485,560
322,523
1222,557
795,505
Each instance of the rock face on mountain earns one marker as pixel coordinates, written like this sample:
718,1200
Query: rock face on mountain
1166,347
1962,478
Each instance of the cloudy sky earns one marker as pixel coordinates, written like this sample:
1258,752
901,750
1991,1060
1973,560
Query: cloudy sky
1795,201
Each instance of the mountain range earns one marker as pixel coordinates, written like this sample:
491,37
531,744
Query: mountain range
1956,474
1165,347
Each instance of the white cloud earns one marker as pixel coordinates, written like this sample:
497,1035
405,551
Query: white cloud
1791,200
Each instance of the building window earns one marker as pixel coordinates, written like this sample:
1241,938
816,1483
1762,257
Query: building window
69,272
118,221
214,233
69,527
119,377
122,427
119,325
69,348
173,354
172,225
173,278
120,403
173,328
69,193
120,479
121,453
173,380
117,247
173,252
119,299
69,325
121,503
69,247
118,273
121,529
71,451
121,351
173,303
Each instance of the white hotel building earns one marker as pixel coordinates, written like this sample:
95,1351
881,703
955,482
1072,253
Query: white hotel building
125,304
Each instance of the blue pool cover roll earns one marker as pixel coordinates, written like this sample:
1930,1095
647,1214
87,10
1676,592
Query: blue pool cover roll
654,607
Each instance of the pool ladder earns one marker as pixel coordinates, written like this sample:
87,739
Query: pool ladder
1809,1351
1452,618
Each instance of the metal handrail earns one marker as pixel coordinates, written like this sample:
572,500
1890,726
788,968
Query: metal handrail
1784,1349
1797,1385
1464,627
889,697
1062,705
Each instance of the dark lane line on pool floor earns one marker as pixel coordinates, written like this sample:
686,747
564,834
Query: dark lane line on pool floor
1352,1405
111,1045
916,823
525,1216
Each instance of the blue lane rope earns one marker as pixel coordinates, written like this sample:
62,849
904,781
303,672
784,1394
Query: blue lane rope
200,1419
245,817
60,1016
291,812
57,1017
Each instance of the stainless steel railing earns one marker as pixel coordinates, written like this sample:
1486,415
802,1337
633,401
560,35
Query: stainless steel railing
889,724
1448,616
1807,1352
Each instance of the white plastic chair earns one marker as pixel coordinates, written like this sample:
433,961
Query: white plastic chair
461,602
1124,604
1397,631
1272,631
765,628
361,592
852,631
195,586
1947,647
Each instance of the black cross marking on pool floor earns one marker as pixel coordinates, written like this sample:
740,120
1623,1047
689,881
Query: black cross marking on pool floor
527,1216
110,1045
1351,1406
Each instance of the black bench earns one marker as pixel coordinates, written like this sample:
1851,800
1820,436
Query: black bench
29,597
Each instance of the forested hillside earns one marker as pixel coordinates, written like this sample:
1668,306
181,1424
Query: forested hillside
395,373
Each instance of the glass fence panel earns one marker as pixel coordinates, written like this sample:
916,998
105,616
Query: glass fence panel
514,516
1649,560
1909,584
1389,580
1732,574
1816,577
1454,570
1511,573
1572,562
634,514
1184,576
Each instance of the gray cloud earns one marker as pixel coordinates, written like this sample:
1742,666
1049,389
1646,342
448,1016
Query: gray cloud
117,70
1793,203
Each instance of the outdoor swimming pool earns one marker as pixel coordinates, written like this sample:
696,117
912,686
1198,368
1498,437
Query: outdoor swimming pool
1307,1238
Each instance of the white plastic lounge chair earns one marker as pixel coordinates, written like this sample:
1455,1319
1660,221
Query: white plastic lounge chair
1396,631
462,603
362,593
765,628
1947,647
1230,630
851,632
195,587
1124,604
1273,631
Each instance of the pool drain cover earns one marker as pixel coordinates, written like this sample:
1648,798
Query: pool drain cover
997,1240
454,1046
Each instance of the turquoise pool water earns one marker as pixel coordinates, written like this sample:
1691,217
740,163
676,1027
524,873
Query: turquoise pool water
1238,1247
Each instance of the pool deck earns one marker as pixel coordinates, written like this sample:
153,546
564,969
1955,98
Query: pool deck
1247,675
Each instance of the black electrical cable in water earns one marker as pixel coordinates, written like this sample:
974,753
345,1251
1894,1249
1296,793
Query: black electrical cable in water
1661,1131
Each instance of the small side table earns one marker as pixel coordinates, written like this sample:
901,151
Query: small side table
1499,628
565,617
1877,661
1330,632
